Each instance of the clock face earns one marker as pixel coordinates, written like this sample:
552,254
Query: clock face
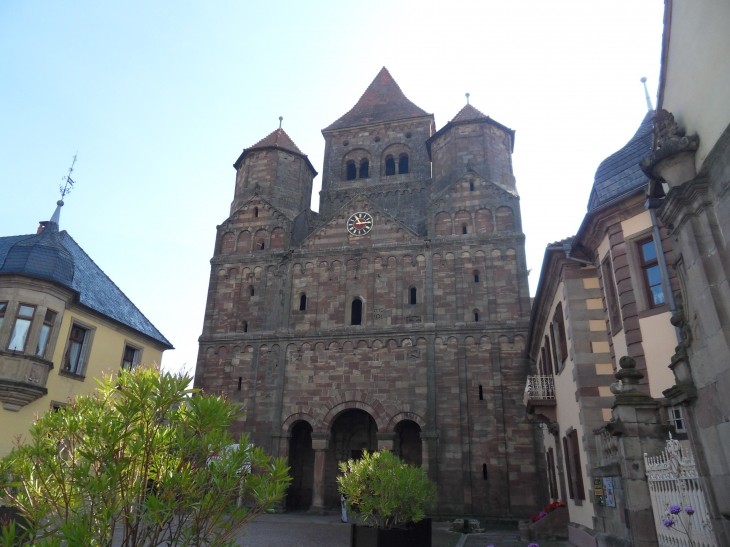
359,224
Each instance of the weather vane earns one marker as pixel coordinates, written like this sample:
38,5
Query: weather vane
68,182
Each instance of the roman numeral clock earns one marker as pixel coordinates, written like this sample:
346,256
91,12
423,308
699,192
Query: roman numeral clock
359,224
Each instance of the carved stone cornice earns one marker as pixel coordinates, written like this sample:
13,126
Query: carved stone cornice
684,203
672,160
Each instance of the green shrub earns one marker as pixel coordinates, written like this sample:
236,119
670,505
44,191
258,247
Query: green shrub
146,455
385,491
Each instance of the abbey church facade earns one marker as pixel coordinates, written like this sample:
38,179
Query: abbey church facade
394,318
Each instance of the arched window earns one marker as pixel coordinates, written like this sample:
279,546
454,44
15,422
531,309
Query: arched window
260,245
255,211
413,296
356,312
250,290
481,393
476,276
463,228
245,326
389,166
403,164
471,186
364,169
351,170
303,302
476,315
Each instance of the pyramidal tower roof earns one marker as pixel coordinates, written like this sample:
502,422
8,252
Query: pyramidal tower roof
276,139
468,113
383,101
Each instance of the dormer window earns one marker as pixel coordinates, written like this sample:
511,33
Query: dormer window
389,166
351,170
403,164
364,169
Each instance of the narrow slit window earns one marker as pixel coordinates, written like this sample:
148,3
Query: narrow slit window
240,382
476,277
351,170
251,290
256,211
356,312
476,315
245,326
484,471
463,229
389,166
413,296
471,186
481,392
303,302
403,165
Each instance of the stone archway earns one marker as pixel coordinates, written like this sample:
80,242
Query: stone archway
301,462
353,431
407,443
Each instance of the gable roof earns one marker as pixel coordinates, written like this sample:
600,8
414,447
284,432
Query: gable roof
322,223
94,288
620,172
276,139
383,101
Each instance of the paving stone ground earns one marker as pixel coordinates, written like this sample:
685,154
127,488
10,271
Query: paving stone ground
303,530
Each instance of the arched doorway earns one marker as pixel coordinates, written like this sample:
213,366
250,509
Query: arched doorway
352,432
407,445
301,461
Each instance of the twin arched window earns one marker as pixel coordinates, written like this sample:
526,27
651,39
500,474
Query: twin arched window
390,165
353,173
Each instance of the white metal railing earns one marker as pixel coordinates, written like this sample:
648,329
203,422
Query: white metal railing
673,480
539,388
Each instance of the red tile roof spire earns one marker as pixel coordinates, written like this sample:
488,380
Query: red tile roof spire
276,139
468,113
383,101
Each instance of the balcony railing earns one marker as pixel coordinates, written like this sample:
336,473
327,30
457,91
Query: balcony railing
539,388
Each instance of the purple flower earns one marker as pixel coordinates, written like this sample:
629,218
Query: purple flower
542,514
490,545
533,545
689,511
668,523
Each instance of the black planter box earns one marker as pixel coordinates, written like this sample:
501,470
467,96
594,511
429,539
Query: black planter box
412,534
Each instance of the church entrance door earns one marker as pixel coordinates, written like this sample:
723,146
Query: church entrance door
301,461
352,432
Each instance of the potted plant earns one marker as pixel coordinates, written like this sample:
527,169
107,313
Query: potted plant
390,498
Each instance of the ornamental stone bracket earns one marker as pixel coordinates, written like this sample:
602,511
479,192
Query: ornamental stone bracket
673,158
685,390
22,379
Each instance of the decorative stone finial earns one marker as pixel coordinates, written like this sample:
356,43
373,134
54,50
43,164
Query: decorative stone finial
467,97
281,119
649,106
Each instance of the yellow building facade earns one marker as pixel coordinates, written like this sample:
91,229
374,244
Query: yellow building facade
63,323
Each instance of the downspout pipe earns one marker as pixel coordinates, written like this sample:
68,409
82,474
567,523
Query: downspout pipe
652,204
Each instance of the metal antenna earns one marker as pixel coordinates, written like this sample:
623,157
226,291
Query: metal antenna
68,181
646,92
281,119
467,98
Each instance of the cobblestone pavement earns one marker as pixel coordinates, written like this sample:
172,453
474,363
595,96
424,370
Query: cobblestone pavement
504,538
296,530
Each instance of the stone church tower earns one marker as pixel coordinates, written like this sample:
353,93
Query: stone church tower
394,318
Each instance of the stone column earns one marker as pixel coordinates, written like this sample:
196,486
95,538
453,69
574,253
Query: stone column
635,429
386,441
320,443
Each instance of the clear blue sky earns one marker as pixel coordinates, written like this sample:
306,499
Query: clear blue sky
159,98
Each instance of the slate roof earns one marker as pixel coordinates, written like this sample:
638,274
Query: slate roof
620,173
383,101
96,291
